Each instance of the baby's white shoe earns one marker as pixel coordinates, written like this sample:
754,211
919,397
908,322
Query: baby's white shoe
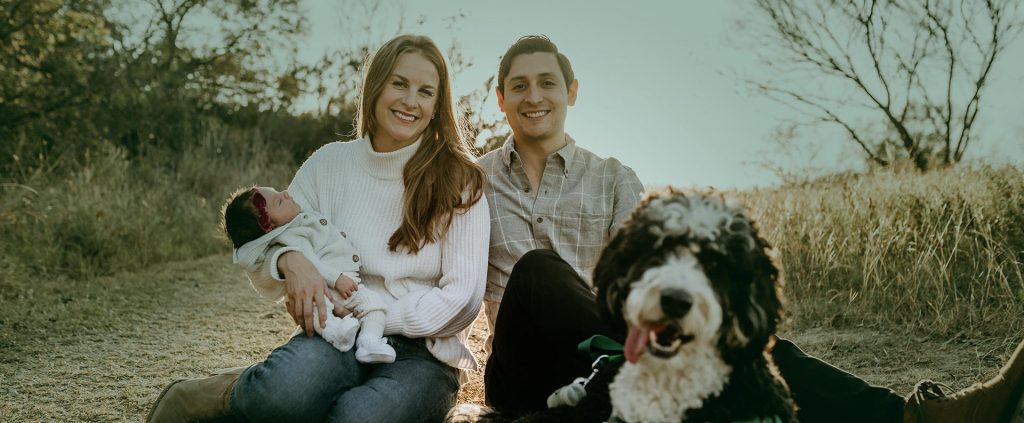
341,332
374,351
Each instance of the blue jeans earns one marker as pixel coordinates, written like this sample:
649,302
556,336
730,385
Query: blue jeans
308,380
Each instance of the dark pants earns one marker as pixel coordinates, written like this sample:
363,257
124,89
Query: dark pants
548,309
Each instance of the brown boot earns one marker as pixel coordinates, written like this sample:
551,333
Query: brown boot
996,400
194,400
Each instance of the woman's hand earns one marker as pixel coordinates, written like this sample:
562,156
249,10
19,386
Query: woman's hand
305,288
341,311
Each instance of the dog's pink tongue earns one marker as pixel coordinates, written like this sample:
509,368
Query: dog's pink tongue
636,341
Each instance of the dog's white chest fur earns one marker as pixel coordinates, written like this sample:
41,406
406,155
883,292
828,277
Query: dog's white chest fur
657,390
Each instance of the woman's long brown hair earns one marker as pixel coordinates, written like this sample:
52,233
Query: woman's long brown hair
441,179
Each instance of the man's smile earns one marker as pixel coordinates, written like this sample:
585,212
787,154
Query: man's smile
537,114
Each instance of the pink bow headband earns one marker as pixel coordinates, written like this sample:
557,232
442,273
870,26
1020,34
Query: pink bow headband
260,203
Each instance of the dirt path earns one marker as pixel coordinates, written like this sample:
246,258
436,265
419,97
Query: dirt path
101,350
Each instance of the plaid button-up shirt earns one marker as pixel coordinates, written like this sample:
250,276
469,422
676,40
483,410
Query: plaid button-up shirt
582,200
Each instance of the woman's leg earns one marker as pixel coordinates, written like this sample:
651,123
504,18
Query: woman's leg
546,311
415,388
297,382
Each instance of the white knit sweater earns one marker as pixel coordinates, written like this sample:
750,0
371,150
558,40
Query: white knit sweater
435,294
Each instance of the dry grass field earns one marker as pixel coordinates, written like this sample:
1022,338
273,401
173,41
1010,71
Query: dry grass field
105,299
100,350
124,125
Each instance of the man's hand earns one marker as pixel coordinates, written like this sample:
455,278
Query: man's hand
305,288
345,286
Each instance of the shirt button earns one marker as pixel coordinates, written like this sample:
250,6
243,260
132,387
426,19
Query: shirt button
343,234
527,189
540,220
355,258
323,222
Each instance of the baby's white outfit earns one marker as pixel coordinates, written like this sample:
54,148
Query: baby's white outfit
333,255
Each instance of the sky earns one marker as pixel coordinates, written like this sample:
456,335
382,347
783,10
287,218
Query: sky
657,83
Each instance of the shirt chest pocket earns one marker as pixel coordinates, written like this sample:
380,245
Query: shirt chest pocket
582,229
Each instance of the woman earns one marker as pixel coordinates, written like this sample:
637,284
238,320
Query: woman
412,170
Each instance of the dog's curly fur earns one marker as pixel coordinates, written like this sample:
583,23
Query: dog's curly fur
712,361
743,272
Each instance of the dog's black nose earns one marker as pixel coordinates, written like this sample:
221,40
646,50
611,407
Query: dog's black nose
676,302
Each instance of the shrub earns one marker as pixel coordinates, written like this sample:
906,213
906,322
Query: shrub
108,213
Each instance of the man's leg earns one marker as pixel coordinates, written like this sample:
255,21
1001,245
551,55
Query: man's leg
826,394
1000,399
415,388
546,311
491,313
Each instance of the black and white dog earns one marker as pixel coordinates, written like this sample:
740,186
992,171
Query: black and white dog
699,293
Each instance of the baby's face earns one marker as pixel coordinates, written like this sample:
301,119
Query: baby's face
280,206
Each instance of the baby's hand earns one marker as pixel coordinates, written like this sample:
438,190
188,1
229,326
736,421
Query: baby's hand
345,286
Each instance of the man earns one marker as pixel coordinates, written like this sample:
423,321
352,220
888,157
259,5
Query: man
546,194
553,206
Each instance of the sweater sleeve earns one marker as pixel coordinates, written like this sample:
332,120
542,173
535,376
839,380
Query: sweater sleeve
265,279
303,238
454,303
303,189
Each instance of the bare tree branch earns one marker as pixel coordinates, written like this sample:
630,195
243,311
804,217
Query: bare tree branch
895,54
827,115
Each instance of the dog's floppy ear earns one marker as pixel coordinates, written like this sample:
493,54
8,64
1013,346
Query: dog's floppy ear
631,246
768,281
758,315
611,277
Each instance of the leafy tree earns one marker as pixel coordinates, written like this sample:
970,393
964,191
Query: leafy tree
200,58
50,51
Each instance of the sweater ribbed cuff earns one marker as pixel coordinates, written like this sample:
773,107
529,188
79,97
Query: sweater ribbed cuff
274,271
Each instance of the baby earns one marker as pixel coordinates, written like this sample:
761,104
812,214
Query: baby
259,218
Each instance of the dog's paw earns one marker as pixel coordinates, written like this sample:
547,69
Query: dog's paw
569,395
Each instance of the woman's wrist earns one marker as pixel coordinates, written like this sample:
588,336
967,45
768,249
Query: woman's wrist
284,263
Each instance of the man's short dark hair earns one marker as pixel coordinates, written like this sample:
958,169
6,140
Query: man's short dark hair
533,44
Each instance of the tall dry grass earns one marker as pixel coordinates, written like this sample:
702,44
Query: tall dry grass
106,212
940,252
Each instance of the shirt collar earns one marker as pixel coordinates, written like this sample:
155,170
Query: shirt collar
567,152
506,151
